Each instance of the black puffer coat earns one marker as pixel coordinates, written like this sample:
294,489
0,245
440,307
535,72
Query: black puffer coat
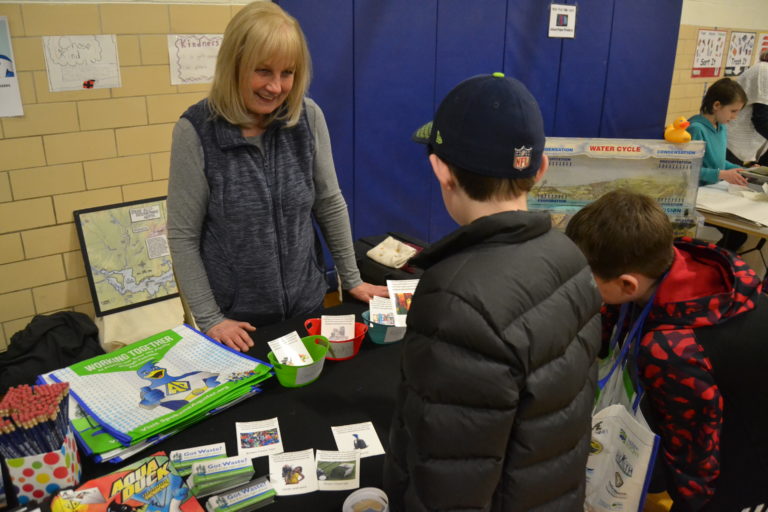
498,373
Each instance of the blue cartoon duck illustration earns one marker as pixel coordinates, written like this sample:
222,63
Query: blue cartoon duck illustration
170,391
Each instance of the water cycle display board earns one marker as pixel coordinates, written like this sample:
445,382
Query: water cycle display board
582,170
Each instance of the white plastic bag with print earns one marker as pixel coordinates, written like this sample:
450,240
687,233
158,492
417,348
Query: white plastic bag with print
623,448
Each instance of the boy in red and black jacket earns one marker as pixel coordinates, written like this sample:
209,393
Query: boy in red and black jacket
703,354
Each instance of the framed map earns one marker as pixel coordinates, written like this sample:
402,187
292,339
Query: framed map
126,254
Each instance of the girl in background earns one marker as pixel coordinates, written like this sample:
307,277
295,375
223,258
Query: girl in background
721,104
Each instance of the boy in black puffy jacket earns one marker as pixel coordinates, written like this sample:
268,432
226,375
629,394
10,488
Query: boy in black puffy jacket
498,365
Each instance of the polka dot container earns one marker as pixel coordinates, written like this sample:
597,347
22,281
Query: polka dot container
37,476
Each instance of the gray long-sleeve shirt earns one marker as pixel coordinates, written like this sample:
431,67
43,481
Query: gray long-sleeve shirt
188,201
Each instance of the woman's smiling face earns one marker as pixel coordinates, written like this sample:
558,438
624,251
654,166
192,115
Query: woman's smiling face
266,87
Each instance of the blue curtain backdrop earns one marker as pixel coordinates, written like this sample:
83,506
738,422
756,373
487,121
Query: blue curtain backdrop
381,68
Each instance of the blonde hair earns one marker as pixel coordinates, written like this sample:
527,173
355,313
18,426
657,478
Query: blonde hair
258,33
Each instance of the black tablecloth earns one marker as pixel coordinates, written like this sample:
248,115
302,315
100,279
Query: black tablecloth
352,391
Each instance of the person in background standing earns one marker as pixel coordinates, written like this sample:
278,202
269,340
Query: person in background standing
748,133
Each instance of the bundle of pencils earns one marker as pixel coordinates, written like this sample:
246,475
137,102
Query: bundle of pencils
33,419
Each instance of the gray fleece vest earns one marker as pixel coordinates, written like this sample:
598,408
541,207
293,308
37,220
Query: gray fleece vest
258,241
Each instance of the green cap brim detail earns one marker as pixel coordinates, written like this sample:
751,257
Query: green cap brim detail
423,134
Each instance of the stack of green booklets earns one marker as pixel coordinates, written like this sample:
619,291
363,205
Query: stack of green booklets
255,494
183,460
219,475
136,396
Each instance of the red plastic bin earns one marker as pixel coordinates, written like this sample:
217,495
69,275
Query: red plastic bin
312,325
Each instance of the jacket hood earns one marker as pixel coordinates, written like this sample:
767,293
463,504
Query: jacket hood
505,227
706,285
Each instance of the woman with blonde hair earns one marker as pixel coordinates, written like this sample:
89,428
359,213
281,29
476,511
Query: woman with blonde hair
251,167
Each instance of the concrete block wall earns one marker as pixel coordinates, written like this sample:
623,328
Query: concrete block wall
81,149
687,92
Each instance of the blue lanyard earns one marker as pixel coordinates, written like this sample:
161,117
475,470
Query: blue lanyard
632,338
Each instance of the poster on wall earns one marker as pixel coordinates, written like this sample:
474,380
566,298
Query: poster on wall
739,53
193,57
762,46
126,254
562,20
709,53
81,62
10,96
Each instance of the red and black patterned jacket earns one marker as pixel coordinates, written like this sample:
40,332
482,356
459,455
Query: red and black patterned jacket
696,361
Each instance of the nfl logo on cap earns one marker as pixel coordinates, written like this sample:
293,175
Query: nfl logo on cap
522,158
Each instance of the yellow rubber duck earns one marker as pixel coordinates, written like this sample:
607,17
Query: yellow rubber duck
676,132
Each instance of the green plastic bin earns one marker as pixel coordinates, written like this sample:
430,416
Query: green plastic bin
298,376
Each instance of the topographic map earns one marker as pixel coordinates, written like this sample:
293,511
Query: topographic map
126,254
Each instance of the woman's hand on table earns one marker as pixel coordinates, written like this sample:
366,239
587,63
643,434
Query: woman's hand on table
233,334
733,176
366,291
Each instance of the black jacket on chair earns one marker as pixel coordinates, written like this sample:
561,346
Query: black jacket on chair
47,343
498,372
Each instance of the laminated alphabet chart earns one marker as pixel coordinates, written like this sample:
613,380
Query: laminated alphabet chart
164,381
582,170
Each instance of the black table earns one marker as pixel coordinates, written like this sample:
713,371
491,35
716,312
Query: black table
353,391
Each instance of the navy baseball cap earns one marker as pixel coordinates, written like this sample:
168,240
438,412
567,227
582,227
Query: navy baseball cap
489,125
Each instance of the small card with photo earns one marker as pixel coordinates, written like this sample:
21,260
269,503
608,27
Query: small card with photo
381,311
293,472
289,350
337,471
337,327
400,293
258,438
360,437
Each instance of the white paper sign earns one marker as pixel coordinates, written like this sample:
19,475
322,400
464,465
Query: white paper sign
10,96
359,437
708,58
293,472
289,350
739,53
562,20
337,327
258,438
81,62
193,57
762,46
401,292
337,471
381,311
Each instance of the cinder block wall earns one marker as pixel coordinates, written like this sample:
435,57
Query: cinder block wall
80,149
687,92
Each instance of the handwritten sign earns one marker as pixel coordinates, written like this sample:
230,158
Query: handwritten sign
709,53
193,57
81,62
